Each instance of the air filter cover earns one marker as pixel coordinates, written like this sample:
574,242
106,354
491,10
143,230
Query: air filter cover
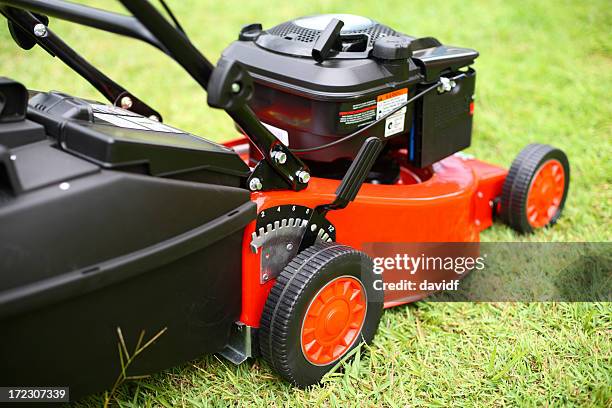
298,36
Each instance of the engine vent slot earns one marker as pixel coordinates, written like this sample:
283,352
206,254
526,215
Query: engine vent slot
292,31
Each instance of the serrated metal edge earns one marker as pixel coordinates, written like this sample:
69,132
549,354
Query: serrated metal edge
323,236
259,237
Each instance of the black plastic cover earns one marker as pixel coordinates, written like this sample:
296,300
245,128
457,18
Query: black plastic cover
315,103
392,48
99,216
297,37
310,103
86,251
114,250
13,134
9,182
332,80
13,100
436,61
443,123
119,139
40,164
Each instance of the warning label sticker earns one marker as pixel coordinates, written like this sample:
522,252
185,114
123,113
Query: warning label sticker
386,104
116,117
359,113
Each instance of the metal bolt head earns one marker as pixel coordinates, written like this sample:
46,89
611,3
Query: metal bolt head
265,276
255,184
289,246
40,30
279,157
153,117
126,102
236,87
303,176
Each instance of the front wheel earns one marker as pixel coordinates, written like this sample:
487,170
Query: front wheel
321,307
535,189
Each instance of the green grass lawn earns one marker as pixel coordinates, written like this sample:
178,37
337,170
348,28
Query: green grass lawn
544,74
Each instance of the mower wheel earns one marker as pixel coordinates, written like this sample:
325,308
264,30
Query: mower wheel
322,306
535,189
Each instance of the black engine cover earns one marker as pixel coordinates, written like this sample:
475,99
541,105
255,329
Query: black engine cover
308,103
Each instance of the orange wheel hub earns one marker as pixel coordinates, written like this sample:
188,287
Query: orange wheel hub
333,320
545,193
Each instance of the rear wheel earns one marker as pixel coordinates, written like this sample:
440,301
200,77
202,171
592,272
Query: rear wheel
535,189
322,306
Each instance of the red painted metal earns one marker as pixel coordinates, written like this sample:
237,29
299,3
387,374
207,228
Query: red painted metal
451,202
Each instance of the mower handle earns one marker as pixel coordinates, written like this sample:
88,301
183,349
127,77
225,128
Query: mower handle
148,25
25,22
270,173
89,16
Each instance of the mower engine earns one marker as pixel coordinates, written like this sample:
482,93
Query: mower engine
323,77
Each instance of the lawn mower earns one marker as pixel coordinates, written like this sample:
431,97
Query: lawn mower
115,226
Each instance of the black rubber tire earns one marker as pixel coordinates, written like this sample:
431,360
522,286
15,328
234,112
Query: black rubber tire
513,205
300,281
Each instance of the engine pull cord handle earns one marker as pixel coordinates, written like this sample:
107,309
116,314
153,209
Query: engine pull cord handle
327,41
